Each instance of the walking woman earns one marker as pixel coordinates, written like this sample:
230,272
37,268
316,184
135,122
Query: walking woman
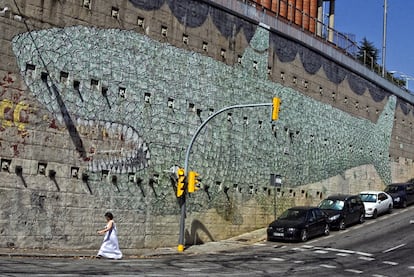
110,247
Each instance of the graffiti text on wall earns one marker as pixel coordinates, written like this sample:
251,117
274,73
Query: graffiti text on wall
13,114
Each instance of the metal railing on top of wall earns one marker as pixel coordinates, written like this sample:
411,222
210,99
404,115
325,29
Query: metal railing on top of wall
344,43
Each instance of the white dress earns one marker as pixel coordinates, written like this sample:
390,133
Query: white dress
110,247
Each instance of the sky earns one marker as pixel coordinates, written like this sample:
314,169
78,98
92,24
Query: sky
364,18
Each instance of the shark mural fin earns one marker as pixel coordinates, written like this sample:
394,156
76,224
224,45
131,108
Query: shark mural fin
383,137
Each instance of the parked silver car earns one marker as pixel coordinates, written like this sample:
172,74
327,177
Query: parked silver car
376,202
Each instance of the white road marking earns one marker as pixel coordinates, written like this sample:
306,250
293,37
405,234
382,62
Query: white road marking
350,252
342,254
378,275
369,223
341,250
364,254
354,271
277,259
393,248
390,263
366,258
411,267
320,251
298,262
327,266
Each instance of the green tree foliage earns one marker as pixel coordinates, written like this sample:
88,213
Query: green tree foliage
368,53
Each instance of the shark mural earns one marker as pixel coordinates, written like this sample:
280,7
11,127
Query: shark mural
154,96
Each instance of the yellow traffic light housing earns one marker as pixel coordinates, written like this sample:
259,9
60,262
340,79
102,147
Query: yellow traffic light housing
180,182
193,181
275,108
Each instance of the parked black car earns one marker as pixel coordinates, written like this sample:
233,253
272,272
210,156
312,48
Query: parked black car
299,224
343,210
402,194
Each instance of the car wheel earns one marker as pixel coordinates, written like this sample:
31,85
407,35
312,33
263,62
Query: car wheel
362,218
390,209
342,224
326,230
304,235
375,214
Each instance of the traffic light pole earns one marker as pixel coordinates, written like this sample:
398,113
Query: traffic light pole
276,101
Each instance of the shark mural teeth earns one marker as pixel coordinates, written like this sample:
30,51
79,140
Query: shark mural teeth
130,155
311,141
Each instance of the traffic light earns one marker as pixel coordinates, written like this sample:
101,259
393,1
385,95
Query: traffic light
275,108
180,182
192,181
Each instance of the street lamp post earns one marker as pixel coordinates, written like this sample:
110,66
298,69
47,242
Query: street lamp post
384,38
274,116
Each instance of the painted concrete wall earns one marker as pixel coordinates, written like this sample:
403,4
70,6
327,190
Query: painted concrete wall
95,117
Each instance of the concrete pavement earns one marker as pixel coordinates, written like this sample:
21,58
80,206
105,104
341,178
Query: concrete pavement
208,247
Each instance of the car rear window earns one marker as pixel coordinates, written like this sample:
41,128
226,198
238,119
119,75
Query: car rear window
292,214
368,197
329,204
392,189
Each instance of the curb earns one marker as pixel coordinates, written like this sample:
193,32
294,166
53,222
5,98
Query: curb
243,240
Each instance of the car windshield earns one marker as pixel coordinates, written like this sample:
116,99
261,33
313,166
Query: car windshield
393,189
368,197
329,204
293,214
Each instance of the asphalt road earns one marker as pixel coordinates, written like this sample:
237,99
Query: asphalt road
378,248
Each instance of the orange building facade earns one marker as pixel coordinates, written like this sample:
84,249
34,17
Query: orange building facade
305,13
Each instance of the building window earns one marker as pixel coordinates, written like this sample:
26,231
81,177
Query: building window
30,70
164,31
115,13
43,76
76,85
122,92
94,84
205,46
64,76
185,39
223,53
141,22
87,4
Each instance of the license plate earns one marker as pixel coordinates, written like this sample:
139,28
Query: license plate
278,234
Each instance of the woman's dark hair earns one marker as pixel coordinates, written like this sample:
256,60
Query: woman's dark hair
109,215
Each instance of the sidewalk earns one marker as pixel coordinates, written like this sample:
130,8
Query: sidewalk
209,247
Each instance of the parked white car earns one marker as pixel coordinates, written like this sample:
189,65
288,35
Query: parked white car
376,202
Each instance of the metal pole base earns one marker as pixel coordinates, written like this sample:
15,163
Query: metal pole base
180,248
